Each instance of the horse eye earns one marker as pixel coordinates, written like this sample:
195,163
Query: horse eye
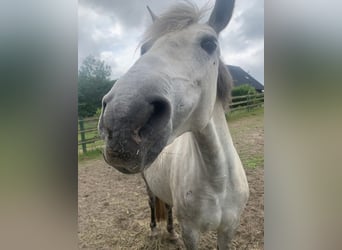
209,45
142,50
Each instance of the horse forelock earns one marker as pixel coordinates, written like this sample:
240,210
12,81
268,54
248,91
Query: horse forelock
176,18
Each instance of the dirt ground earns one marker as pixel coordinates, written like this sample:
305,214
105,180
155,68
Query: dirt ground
114,212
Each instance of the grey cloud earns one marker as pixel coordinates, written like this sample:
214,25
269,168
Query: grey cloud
246,30
257,70
249,26
252,20
130,13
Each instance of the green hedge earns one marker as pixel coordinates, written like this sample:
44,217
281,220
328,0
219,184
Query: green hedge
244,89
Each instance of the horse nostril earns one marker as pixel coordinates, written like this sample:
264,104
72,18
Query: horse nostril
160,109
157,119
110,134
160,114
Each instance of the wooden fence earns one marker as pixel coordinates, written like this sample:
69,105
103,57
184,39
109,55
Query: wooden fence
88,137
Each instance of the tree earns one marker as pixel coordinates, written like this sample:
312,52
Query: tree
93,83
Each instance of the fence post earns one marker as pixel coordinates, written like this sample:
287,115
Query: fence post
248,102
84,145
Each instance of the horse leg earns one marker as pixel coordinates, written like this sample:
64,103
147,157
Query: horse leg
190,237
169,227
224,238
152,204
153,224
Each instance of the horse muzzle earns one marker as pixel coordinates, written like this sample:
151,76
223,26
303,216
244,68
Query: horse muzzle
135,131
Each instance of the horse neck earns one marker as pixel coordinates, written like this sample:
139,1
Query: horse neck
218,154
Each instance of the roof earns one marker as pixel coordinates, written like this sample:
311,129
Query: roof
241,77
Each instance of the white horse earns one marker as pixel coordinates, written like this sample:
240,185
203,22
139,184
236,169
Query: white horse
166,118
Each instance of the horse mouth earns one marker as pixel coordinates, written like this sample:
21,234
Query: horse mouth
122,162
136,159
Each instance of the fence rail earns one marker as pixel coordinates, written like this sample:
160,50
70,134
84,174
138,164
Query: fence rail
88,138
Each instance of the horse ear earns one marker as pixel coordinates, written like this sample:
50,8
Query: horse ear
153,16
224,85
221,14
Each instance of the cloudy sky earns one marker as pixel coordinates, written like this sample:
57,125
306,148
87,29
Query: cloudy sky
112,29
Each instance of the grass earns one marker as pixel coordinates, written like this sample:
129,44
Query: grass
253,161
247,129
92,154
236,115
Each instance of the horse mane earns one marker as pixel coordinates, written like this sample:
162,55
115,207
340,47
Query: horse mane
178,17
224,85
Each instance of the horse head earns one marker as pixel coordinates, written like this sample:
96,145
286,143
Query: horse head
171,89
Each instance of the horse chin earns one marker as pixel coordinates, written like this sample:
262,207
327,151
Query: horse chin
126,170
